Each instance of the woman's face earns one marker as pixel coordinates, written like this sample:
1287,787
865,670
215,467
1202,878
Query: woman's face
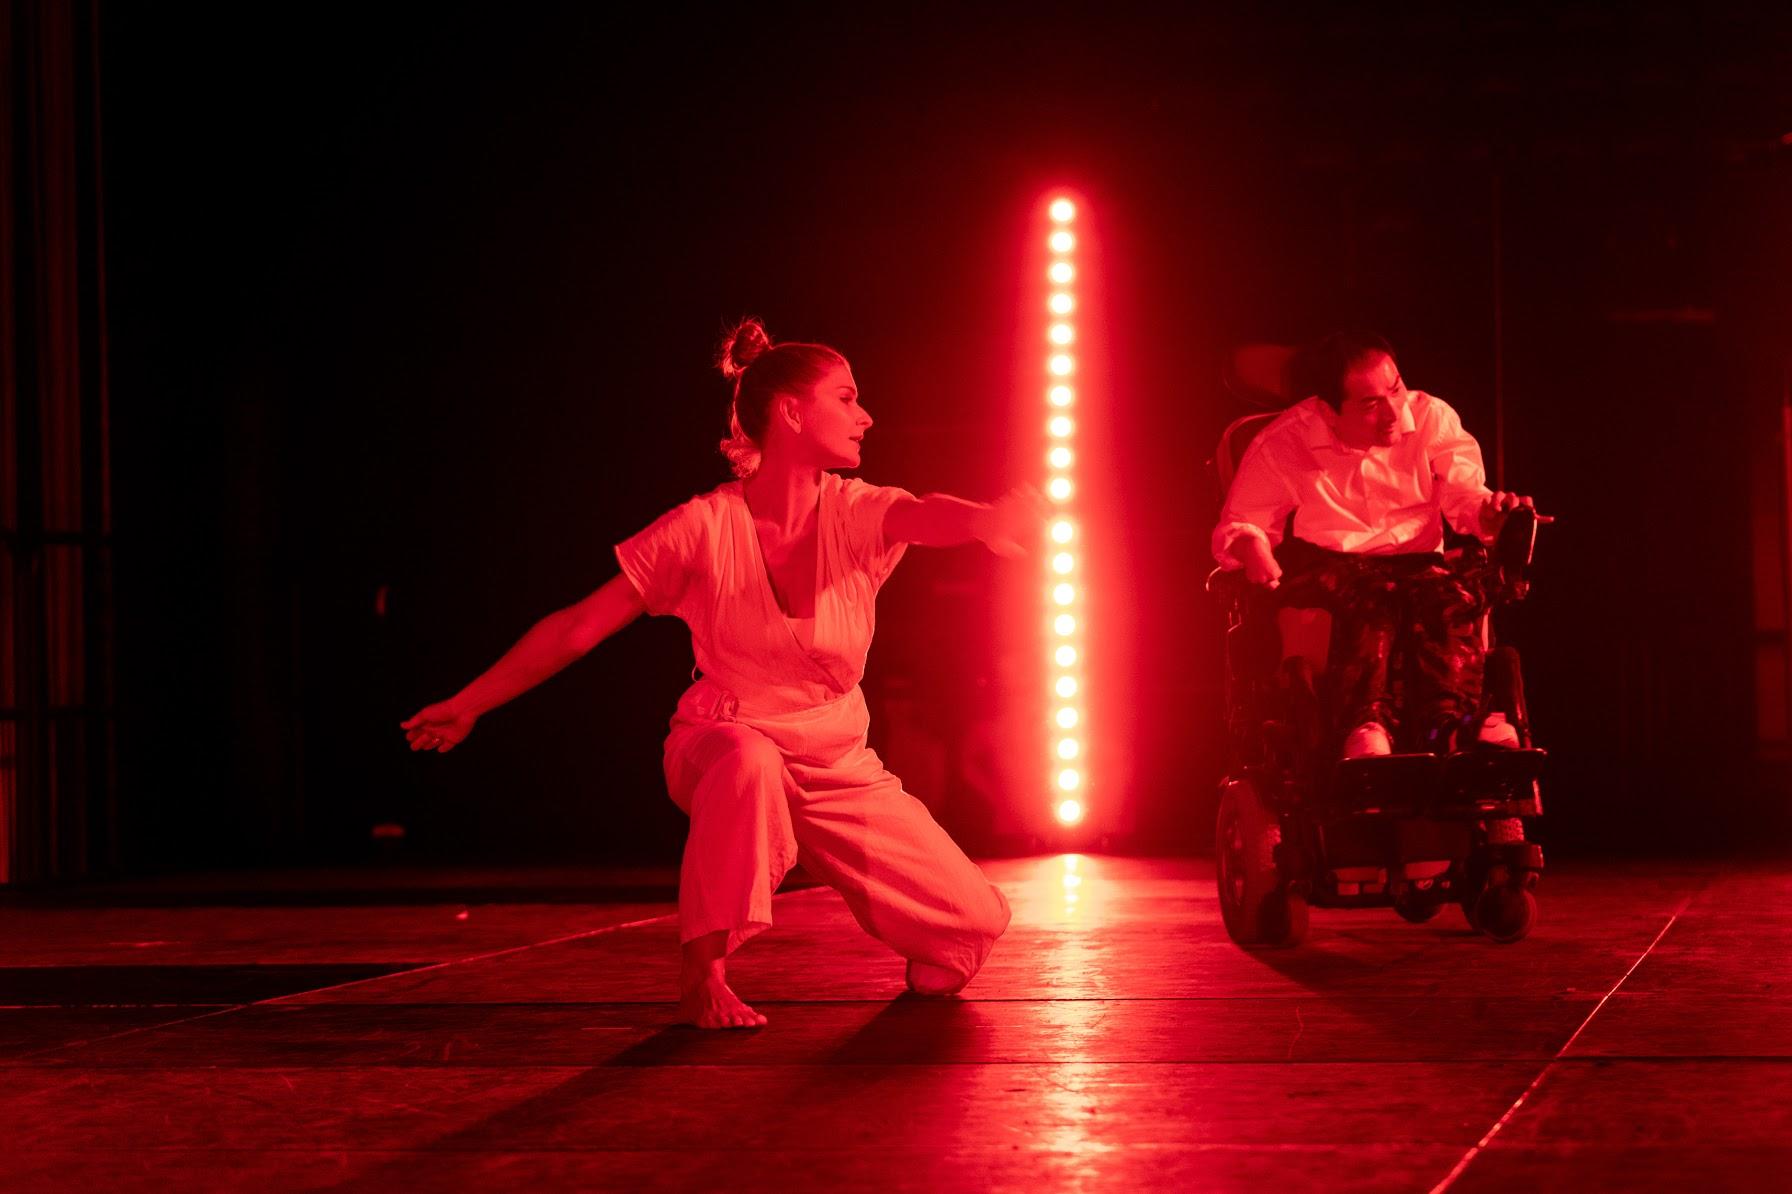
833,422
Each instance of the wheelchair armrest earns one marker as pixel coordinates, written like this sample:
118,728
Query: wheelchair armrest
1228,584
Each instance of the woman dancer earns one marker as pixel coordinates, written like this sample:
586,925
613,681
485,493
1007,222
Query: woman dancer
776,574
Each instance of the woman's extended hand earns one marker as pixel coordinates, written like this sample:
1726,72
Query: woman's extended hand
1012,525
438,727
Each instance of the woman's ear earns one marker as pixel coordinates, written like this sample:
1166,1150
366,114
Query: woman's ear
790,411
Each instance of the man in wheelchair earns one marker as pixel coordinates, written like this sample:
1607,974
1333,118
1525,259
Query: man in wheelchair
1336,517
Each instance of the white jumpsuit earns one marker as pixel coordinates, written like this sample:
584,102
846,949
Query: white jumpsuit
767,752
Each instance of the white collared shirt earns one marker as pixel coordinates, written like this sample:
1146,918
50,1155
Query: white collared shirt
1374,501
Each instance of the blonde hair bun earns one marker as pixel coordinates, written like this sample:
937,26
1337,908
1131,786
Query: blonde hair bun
742,346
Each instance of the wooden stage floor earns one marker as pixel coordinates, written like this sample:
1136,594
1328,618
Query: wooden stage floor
512,1031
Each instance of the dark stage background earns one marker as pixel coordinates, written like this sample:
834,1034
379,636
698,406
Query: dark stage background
413,311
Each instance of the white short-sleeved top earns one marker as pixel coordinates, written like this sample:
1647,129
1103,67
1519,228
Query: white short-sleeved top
701,562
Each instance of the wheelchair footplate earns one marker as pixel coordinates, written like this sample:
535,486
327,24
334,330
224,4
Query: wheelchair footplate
1468,785
1492,783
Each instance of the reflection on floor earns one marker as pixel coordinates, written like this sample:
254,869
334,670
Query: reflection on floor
228,1036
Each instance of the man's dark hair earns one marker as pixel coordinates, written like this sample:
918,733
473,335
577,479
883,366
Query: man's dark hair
1319,367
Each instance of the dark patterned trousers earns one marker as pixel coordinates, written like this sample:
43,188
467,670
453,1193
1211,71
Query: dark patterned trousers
1406,647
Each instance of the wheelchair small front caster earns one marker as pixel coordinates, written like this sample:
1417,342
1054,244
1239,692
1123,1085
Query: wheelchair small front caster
1415,906
1287,920
1503,912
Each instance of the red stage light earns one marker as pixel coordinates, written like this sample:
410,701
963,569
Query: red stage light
1064,647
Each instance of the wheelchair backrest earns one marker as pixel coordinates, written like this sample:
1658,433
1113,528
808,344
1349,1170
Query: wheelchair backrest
1233,441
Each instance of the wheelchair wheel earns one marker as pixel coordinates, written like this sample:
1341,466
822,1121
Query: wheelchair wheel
1257,908
1504,913
1416,907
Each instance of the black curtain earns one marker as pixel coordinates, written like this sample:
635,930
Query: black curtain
56,724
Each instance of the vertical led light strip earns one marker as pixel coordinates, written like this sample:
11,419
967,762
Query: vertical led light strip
1063,586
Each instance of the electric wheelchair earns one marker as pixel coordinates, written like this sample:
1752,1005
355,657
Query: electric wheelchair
1297,828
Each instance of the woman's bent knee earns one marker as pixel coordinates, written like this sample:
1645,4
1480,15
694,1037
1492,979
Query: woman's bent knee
990,916
730,750
950,970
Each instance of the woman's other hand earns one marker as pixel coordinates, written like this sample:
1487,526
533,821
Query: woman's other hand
438,727
1014,524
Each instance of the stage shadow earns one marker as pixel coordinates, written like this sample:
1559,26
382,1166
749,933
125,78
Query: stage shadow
682,1044
908,1030
915,1030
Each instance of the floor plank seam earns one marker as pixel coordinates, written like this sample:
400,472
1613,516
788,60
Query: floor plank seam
310,1065
279,999
1537,1082
294,995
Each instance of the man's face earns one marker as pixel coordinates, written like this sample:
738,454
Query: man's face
1373,399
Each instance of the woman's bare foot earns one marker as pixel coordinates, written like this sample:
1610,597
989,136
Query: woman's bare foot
704,997
710,1003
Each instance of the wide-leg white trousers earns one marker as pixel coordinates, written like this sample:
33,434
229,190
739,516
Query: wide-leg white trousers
766,792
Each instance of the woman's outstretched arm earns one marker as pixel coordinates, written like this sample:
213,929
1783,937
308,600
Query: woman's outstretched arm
550,645
1010,526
